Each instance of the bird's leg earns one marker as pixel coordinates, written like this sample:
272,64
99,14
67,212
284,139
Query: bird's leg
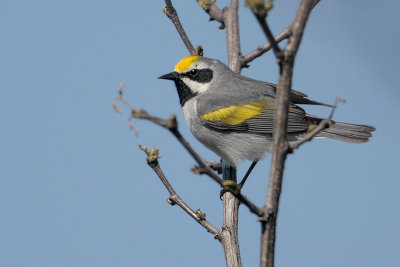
253,164
229,175
231,186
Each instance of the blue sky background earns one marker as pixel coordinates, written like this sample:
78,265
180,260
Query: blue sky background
75,189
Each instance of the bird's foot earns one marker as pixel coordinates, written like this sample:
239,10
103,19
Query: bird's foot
230,186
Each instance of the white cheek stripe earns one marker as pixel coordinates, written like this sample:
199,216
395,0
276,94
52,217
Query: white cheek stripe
196,86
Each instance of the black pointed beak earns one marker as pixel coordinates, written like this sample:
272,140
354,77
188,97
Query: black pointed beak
170,76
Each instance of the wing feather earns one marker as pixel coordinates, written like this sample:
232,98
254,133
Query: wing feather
255,117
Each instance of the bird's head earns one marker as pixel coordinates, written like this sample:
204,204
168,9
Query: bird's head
193,75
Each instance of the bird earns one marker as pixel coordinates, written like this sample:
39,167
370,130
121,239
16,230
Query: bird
233,115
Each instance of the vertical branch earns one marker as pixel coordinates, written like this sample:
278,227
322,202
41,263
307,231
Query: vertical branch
280,143
231,19
229,232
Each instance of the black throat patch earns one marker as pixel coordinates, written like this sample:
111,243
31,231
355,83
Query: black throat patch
200,76
184,91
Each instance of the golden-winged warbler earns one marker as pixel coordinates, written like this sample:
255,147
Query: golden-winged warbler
233,115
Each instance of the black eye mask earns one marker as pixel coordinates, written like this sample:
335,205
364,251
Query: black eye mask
201,76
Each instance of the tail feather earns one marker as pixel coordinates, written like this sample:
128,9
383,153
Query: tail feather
352,133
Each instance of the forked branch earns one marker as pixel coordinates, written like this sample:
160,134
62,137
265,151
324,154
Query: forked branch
259,51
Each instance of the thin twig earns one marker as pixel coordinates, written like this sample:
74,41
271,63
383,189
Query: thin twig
265,48
172,125
267,31
174,198
260,11
252,207
259,51
197,157
171,13
215,166
321,126
309,136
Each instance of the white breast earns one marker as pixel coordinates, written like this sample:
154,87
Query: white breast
190,112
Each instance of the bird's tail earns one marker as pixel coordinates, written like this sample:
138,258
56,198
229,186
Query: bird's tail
352,133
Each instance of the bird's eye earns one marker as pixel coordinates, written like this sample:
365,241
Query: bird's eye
194,72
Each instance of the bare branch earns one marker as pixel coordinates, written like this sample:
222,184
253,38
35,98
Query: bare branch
321,126
260,11
171,13
215,12
172,125
280,143
194,154
252,207
215,166
270,37
231,19
309,136
285,34
315,3
265,48
229,233
174,198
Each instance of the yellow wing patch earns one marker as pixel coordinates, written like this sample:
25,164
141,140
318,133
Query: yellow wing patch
234,115
185,63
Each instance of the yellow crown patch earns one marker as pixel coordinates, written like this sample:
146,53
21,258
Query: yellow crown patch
186,62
